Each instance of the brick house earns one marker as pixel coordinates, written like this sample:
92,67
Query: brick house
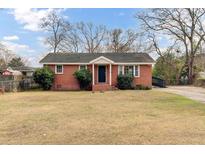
106,67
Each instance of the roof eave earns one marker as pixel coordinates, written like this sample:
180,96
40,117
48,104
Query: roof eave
115,63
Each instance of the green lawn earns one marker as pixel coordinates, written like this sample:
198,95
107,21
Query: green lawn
115,117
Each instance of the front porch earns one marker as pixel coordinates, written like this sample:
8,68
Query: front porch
101,74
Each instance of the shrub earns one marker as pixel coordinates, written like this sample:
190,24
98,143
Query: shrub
125,81
44,77
84,78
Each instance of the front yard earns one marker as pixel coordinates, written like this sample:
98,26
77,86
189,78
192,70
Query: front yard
117,117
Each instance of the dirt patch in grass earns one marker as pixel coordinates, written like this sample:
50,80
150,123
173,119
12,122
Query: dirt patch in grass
116,117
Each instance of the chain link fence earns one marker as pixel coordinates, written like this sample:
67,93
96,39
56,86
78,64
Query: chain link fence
10,85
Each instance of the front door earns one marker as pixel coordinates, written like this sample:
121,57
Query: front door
101,73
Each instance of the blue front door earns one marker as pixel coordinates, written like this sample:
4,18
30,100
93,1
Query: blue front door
101,74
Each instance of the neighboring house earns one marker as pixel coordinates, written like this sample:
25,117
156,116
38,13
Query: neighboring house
106,67
9,72
17,78
20,73
25,70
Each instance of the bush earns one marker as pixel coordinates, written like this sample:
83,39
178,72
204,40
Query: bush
84,78
44,77
125,81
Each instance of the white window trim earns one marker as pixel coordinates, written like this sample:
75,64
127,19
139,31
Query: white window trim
138,71
118,70
86,67
123,70
132,69
56,69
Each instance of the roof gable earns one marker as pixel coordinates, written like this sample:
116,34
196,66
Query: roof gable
101,60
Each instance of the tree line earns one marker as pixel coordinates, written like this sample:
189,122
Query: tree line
62,36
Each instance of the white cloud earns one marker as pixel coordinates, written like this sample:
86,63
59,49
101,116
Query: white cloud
31,18
17,48
10,38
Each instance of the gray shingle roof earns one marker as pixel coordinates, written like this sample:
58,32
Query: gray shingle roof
87,57
24,68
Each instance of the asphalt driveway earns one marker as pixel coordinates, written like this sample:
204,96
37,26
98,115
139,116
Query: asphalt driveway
195,93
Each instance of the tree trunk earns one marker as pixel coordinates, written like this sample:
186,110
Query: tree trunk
190,71
54,49
178,76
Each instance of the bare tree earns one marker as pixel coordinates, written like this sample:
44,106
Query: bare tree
120,41
168,56
183,25
142,43
2,62
5,56
72,41
57,27
91,36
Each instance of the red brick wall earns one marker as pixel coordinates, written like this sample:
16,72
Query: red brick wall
144,79
67,81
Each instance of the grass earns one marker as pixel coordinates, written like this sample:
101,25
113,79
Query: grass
116,117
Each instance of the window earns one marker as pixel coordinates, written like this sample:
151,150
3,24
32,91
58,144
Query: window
82,67
120,70
137,73
129,70
134,70
59,69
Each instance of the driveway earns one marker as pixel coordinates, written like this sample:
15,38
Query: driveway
195,93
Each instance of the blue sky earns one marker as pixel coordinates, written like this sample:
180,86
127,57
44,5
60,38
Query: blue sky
19,30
